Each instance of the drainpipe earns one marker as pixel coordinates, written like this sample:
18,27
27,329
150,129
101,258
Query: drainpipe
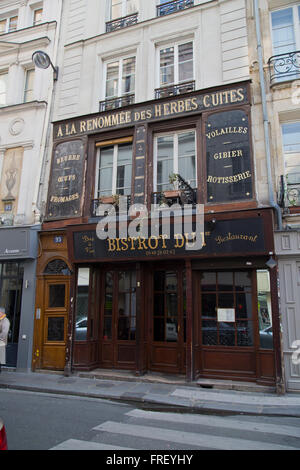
272,201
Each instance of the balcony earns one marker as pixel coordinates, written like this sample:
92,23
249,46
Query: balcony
284,67
121,23
96,203
182,193
115,103
173,90
172,7
289,191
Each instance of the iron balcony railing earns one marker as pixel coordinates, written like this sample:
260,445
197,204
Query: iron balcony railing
283,67
120,23
172,7
95,204
173,90
289,191
114,103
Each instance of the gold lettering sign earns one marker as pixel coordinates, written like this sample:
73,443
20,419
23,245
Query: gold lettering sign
138,114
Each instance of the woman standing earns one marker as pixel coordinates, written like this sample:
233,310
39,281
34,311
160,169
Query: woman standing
4,329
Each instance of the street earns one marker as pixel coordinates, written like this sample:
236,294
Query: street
36,421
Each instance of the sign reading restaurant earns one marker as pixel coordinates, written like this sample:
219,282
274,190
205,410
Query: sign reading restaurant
153,111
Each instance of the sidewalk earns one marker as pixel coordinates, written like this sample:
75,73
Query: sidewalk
154,392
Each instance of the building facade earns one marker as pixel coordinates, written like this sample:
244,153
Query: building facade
25,98
155,106
280,38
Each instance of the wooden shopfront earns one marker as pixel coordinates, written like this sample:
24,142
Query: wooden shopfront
146,303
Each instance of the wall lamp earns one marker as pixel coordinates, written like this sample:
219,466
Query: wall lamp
271,263
42,61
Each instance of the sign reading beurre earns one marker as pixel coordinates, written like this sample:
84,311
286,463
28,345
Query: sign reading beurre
65,188
229,171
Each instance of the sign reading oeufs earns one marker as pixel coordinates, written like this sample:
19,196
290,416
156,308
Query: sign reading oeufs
229,171
66,184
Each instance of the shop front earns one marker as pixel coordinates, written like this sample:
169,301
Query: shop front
153,301
18,254
152,305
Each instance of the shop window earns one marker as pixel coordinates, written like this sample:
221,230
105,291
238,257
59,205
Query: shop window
3,88
284,65
82,304
226,309
175,153
264,309
114,169
291,150
8,25
108,306
120,83
29,83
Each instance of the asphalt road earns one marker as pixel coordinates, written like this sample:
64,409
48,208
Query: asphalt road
36,421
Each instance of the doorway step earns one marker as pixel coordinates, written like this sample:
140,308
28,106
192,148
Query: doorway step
234,385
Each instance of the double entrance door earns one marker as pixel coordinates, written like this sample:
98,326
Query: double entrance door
143,322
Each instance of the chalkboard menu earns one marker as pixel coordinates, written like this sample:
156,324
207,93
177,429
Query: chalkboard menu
229,170
66,181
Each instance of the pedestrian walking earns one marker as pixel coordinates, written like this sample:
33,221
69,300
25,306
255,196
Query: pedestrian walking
4,329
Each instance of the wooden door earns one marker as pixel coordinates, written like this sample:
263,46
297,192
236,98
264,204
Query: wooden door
118,332
167,321
54,322
225,321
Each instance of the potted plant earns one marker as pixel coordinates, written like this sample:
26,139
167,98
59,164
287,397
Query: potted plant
112,199
173,193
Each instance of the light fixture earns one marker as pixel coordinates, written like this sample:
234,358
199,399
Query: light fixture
42,61
271,263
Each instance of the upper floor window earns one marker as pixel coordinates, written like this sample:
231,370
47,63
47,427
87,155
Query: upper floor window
174,153
286,30
291,149
119,83
3,88
114,169
28,88
8,25
165,8
37,16
121,8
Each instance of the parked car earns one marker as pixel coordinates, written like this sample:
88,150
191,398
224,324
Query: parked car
3,438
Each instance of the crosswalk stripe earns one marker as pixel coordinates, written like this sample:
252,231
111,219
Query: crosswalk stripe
215,421
74,444
188,438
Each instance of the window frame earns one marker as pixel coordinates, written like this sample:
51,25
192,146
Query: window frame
27,90
124,4
175,153
175,45
287,153
8,21
296,25
35,11
115,144
120,61
4,73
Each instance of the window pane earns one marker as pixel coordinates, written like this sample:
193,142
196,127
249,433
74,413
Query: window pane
29,82
116,9
105,171
2,26
185,62
209,305
209,333
171,329
165,164
159,305
167,66
12,23
226,301
37,16
244,333
132,6
244,305
124,169
56,329
226,334
291,137
3,87
283,31
209,281
264,310
112,80
82,304
187,157
57,295
242,281
158,333
128,75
